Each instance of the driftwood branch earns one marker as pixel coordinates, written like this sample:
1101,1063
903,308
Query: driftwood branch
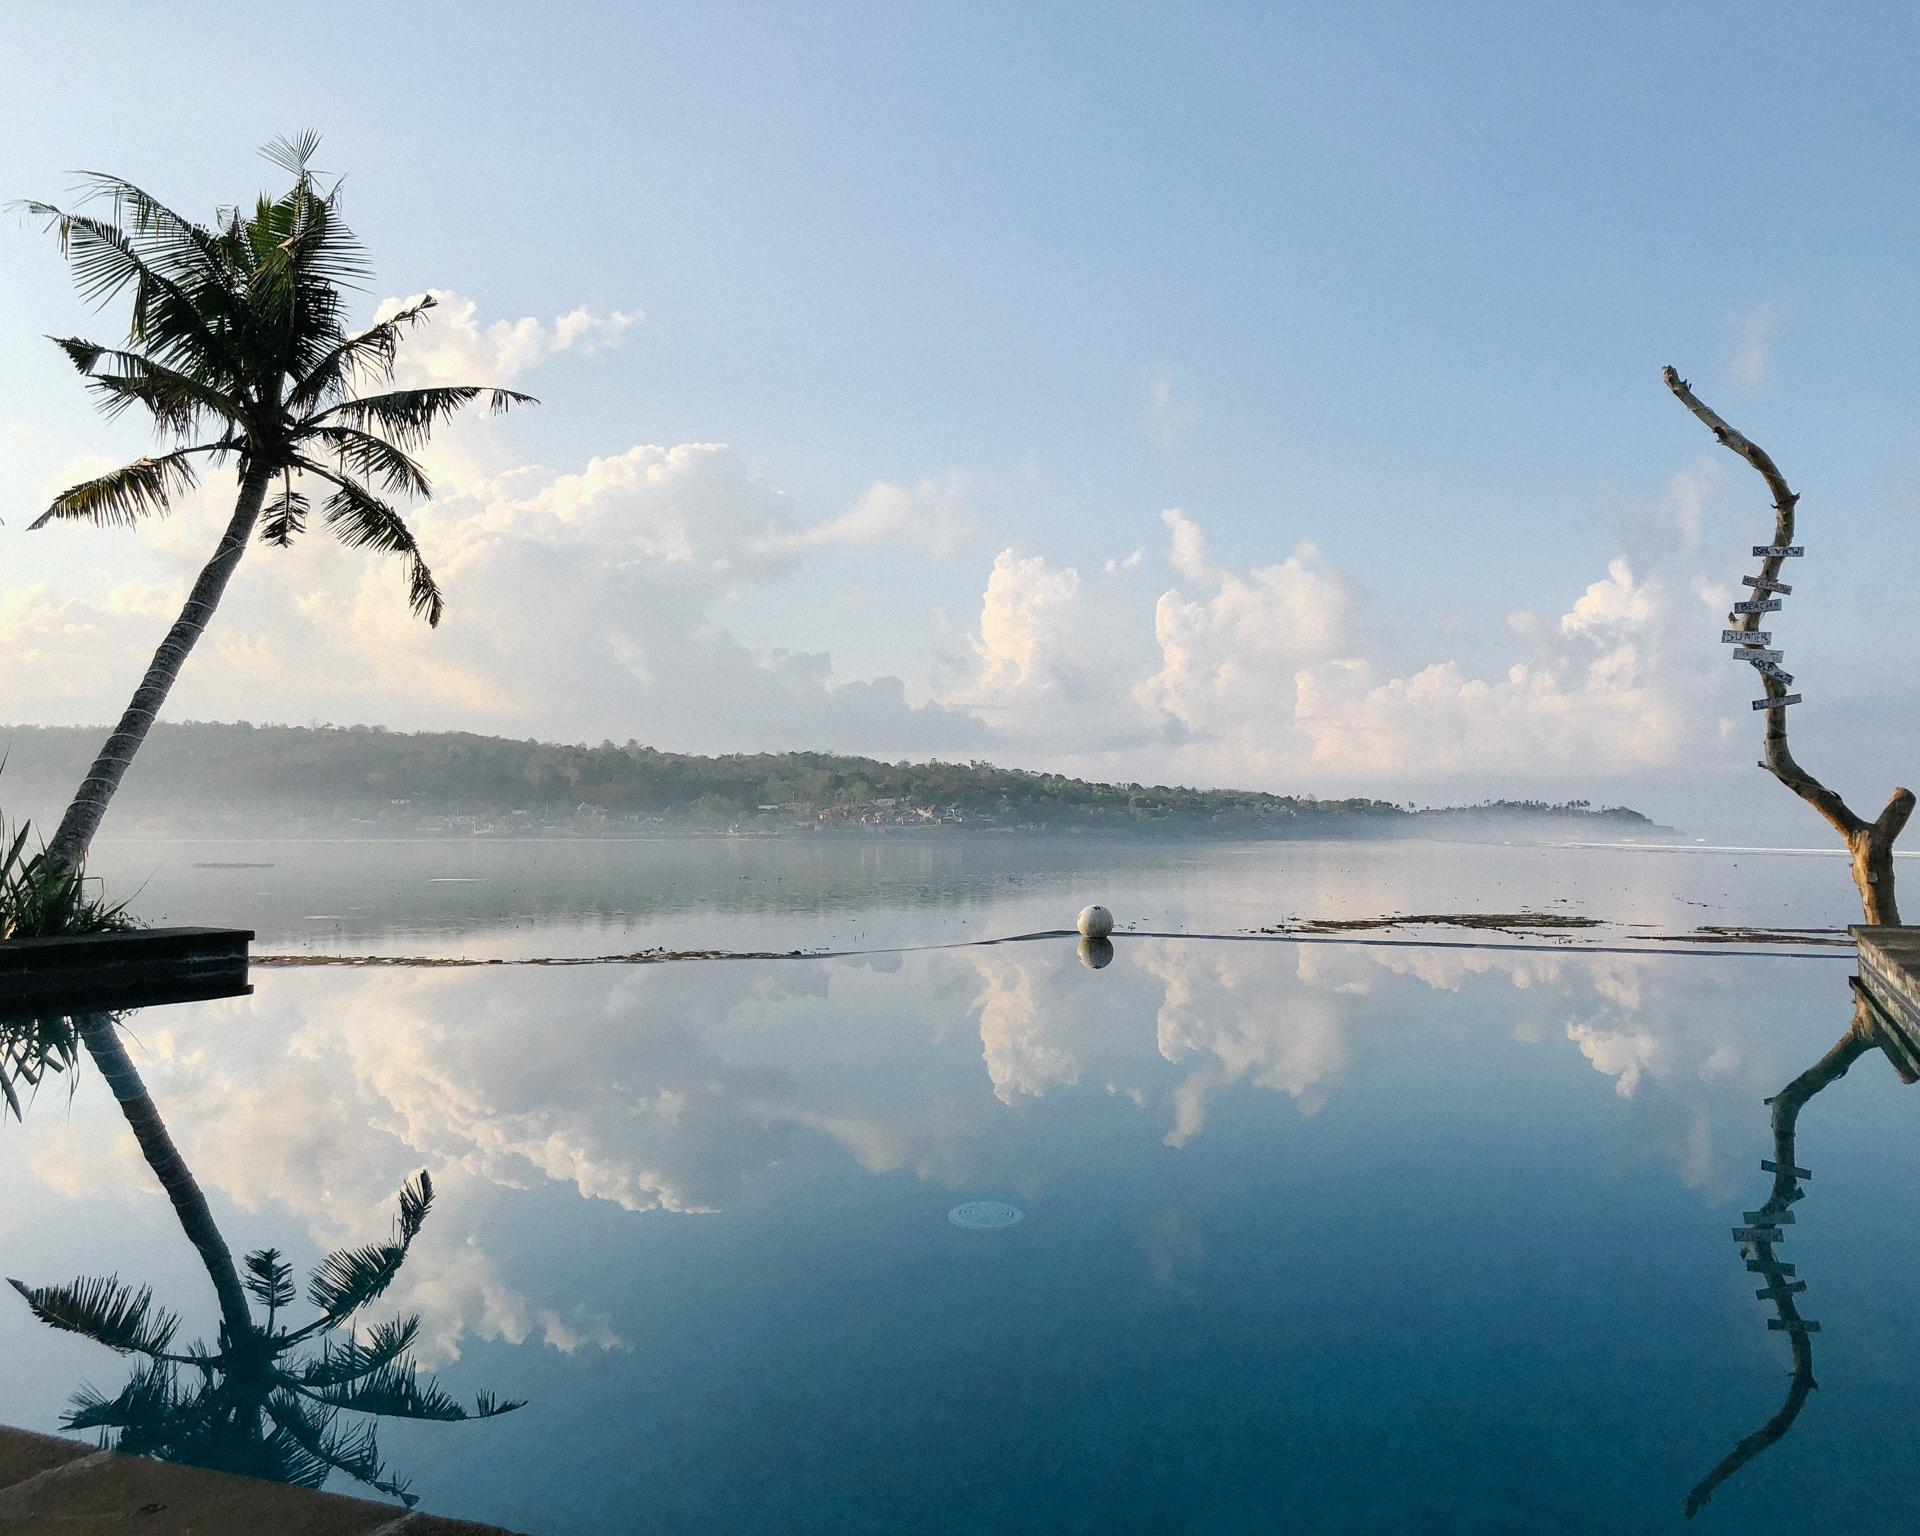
1781,1288
1870,843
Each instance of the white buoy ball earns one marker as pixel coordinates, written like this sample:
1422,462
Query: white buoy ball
1096,923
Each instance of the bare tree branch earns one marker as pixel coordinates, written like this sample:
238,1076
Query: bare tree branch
1869,843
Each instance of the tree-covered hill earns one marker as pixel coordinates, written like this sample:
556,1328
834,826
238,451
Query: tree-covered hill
399,780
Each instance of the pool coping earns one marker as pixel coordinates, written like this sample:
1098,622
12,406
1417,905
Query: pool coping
49,1481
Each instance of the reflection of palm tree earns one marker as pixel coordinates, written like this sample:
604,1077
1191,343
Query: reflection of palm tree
1758,1238
265,1403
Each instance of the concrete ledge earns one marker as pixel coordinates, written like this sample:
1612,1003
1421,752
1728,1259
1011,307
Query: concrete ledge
1890,971
52,1484
122,970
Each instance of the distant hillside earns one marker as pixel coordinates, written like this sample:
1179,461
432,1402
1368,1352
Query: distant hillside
379,781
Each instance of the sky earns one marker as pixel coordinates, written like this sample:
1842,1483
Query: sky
1222,394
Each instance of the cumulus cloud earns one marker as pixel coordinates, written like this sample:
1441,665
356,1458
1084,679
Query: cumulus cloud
579,604
450,346
1276,676
587,602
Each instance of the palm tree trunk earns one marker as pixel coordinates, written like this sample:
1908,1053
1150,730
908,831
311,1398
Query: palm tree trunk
77,827
163,1157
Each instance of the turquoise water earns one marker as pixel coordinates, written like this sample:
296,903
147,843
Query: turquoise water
1313,1238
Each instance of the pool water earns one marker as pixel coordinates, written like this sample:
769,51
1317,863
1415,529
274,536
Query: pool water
1317,1238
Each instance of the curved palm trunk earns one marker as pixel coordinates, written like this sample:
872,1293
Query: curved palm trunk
163,1157
77,827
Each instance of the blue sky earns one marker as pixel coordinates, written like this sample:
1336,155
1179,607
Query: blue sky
1395,281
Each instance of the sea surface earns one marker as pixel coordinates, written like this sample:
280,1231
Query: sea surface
1410,1229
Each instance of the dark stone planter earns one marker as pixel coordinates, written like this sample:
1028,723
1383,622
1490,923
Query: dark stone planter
99,971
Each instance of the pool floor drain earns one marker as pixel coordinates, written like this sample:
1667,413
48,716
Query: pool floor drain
985,1213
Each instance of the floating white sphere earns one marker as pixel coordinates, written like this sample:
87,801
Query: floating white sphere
1096,923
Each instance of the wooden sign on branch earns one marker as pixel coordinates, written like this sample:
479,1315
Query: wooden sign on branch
1761,584
1792,698
1745,637
1776,551
1771,605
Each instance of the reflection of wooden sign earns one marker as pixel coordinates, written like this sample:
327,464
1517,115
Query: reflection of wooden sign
1744,637
1771,605
1772,671
1754,653
1780,1290
1792,698
1777,551
1768,1166
1758,1235
1793,1325
1769,1267
1783,1219
1761,584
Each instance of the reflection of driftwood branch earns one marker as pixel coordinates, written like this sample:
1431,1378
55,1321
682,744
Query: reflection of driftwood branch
1781,1287
1869,842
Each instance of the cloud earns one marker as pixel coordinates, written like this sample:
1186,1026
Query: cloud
1276,676
1751,332
451,347
593,600
1168,416
579,604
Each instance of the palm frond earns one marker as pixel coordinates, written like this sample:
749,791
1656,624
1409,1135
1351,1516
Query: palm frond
348,1278
104,1310
293,154
395,1391
269,1280
362,520
362,454
149,1406
407,417
356,1453
121,497
170,245
285,517
416,1200
166,316
178,402
341,1363
367,354
487,1406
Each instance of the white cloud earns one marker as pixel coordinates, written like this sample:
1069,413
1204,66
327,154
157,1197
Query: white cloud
1751,332
451,347
1168,416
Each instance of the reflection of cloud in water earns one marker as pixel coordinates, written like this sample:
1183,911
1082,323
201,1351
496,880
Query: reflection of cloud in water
1011,1022
664,1088
1294,1044
616,1091
1619,1054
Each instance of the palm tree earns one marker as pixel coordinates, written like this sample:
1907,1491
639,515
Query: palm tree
237,349
265,1402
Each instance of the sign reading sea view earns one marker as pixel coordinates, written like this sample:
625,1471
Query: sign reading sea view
957,771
